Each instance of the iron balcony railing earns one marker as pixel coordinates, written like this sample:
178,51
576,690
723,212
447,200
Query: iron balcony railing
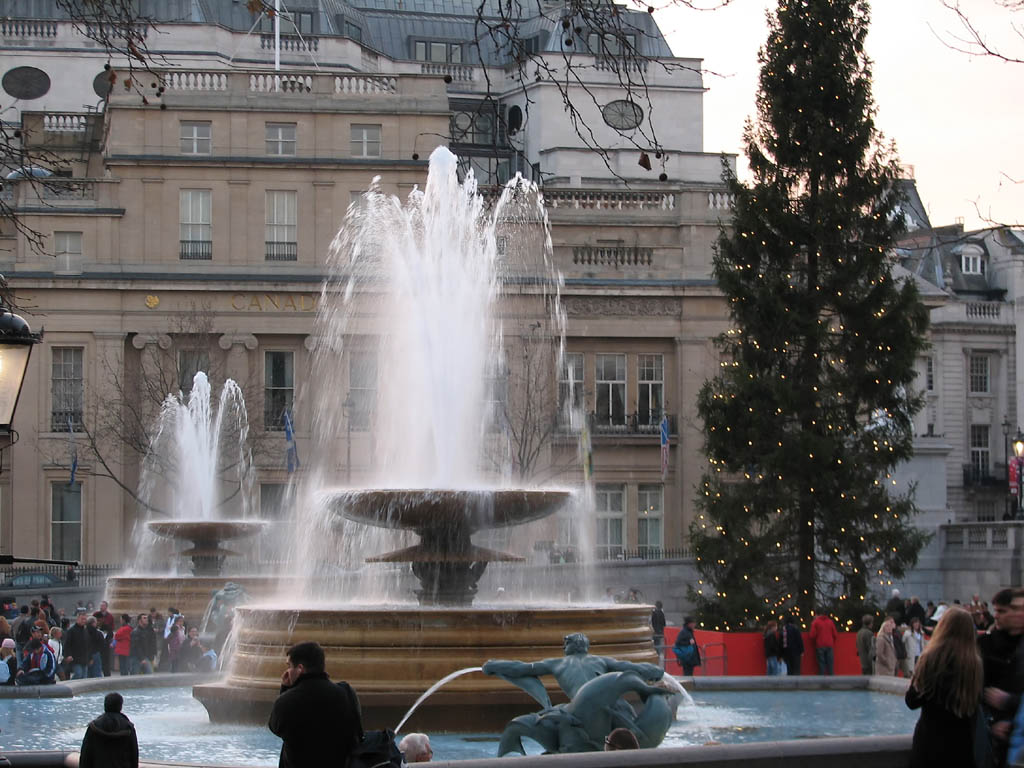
197,250
610,552
975,476
278,251
630,424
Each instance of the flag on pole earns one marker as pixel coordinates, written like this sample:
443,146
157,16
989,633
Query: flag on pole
664,446
292,450
72,451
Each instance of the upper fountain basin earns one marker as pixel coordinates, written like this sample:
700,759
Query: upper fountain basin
203,530
421,508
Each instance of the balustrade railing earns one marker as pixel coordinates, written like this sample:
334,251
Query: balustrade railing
291,43
365,84
195,250
49,190
194,80
980,309
720,201
65,122
609,200
614,256
620,64
28,28
459,73
965,538
281,251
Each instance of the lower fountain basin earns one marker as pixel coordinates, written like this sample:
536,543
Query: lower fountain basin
392,655
189,594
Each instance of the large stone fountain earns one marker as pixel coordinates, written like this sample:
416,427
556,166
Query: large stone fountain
420,283
393,654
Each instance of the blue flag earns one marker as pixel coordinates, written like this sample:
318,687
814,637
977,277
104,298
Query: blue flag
664,446
292,450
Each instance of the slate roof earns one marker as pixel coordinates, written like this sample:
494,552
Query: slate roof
387,26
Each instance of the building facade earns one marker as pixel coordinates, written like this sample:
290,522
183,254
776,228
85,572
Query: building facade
190,226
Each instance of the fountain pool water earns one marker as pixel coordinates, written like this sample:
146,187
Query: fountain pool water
174,727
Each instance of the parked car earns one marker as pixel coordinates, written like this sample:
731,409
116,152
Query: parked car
34,581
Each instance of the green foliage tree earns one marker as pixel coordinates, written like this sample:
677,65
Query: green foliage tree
813,406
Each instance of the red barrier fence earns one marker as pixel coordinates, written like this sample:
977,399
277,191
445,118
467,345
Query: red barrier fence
742,653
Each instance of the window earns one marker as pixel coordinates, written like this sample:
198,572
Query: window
297,22
570,387
929,374
972,260
486,170
278,388
353,31
496,395
362,388
649,540
437,52
196,224
365,141
611,44
610,507
191,362
282,225
473,126
980,453
978,374
68,389
195,138
67,247
280,139
611,390
651,397
66,521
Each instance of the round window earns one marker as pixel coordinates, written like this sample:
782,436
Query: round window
623,115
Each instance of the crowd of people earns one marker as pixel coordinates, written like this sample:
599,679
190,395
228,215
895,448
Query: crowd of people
41,645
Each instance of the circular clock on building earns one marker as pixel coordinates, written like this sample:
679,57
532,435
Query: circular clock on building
622,115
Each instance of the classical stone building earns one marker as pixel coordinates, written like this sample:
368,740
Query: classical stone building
193,227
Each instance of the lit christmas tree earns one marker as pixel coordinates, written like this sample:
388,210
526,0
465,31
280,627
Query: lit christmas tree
814,402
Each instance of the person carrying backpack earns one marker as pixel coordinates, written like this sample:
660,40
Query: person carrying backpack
685,648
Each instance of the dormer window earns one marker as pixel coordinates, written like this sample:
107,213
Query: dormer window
972,260
437,52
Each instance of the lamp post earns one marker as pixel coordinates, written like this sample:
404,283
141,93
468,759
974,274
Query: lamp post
1007,510
1018,457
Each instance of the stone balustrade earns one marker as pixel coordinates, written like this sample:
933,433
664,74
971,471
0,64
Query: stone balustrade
609,199
983,309
215,81
612,256
28,28
57,192
989,537
459,73
65,122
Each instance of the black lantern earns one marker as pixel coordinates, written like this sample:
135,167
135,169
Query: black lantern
16,340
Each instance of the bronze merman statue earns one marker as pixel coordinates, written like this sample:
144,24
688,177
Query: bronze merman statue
595,686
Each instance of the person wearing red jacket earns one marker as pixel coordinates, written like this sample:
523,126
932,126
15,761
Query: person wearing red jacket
123,645
823,635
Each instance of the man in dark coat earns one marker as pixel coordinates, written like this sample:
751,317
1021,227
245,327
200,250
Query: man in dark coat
319,721
110,740
78,647
792,646
143,645
686,649
658,631
999,649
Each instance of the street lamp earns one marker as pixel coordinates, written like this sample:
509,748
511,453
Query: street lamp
1007,511
16,341
1018,457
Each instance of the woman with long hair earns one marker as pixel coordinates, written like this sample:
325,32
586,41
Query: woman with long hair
947,687
885,651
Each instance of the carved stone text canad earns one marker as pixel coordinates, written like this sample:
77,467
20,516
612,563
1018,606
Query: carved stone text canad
658,306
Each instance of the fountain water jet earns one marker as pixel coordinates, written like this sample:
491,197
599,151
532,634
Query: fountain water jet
423,279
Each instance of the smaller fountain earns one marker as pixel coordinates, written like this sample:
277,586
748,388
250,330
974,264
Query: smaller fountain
198,463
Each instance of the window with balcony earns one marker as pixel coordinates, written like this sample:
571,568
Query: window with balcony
67,247
365,140
191,362
978,374
278,388
196,138
66,521
610,506
67,389
282,225
281,139
196,224
651,383
980,452
362,387
610,383
649,537
570,387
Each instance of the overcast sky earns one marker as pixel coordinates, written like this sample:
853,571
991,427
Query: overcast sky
957,119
